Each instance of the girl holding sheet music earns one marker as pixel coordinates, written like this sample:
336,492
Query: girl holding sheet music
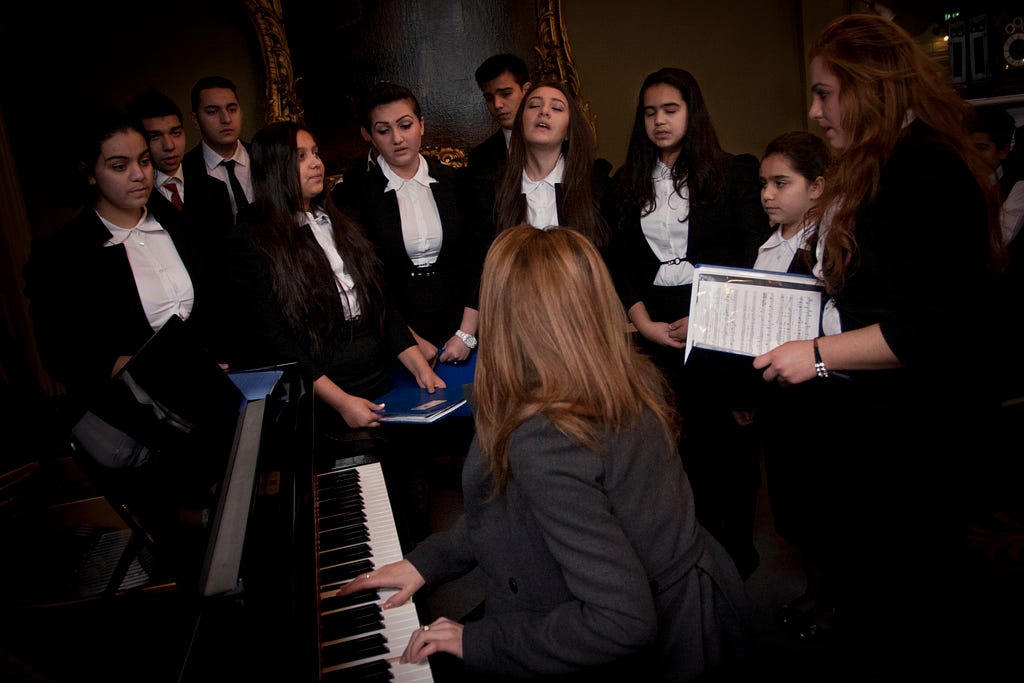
682,200
908,249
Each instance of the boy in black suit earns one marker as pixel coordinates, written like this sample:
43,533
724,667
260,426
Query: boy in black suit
503,80
161,119
217,115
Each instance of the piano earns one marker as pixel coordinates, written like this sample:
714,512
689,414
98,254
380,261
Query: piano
243,585
355,533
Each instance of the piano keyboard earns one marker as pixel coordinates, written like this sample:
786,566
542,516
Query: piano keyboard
356,533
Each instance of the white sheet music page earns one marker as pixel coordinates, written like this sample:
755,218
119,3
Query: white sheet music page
749,312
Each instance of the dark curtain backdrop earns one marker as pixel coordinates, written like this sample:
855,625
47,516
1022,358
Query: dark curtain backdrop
432,47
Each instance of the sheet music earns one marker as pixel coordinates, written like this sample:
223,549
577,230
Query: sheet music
750,312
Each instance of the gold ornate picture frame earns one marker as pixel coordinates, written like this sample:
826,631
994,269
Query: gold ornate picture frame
554,59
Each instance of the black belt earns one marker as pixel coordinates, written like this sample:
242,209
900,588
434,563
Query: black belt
424,271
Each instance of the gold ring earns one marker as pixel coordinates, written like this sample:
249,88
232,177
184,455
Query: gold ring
425,627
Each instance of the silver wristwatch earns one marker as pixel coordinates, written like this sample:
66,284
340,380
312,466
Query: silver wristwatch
467,339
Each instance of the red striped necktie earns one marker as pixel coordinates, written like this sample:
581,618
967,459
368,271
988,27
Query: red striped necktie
172,187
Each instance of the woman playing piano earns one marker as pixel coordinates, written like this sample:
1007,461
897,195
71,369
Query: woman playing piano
577,507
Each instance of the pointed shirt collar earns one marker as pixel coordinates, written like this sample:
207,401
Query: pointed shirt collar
395,182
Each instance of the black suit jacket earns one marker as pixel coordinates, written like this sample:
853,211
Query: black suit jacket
488,159
206,195
458,264
84,302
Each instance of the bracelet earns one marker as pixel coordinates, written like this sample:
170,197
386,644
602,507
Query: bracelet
467,339
819,365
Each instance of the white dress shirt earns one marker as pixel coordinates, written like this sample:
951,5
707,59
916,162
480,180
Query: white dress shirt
320,224
160,178
1012,212
667,229
421,223
164,285
541,207
830,321
242,170
777,252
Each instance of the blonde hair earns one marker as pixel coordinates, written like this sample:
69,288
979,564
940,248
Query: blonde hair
556,343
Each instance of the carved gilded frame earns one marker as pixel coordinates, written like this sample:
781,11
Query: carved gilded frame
552,49
282,99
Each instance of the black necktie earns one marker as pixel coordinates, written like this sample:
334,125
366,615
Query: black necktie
236,187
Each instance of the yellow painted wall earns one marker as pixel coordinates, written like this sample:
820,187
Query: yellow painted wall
748,58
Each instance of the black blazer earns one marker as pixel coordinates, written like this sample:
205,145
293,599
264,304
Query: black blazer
206,195
85,305
728,233
458,264
488,159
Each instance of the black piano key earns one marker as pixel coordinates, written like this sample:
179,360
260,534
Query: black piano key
334,602
334,481
350,622
377,670
351,650
340,494
331,522
337,538
342,572
360,551
347,490
340,507
338,477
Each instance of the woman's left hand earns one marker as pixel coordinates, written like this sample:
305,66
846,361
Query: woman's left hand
443,635
454,351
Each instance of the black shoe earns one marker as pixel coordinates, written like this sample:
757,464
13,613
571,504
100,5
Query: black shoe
791,617
797,613
818,628
814,633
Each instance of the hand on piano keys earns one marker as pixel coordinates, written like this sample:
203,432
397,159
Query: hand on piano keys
400,575
444,635
356,535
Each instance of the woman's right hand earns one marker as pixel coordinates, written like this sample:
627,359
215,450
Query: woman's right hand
359,412
665,334
401,575
660,333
